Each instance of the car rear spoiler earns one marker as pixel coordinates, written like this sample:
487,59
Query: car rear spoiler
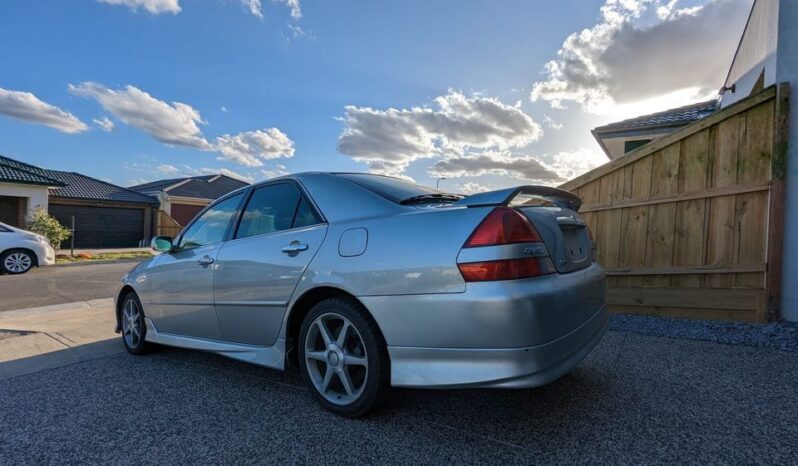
500,197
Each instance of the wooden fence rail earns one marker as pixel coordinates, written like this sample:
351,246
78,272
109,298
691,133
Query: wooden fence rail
689,225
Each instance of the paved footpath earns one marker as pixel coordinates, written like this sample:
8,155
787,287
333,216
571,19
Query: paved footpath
54,336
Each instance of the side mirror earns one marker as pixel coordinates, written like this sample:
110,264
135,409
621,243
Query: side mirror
161,243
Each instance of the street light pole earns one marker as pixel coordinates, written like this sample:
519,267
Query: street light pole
438,182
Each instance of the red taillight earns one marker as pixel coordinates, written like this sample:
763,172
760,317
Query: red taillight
504,225
509,269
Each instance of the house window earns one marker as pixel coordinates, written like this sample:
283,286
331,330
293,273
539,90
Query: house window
629,146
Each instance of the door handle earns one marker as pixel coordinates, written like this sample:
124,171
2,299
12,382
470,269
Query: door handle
294,247
207,260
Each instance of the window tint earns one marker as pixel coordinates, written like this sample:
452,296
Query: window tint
394,189
271,208
211,226
305,215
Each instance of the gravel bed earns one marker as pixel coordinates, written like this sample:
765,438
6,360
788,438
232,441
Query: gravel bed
780,336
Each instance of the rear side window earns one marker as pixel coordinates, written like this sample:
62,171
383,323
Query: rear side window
274,208
394,189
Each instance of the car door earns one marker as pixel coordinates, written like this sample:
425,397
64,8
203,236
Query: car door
257,270
181,281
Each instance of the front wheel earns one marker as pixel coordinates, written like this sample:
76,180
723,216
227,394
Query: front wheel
133,328
342,357
16,261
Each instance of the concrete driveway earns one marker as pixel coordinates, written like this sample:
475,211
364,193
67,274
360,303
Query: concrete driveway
635,399
59,284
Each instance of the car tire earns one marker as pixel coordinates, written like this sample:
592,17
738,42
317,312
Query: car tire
17,261
348,375
134,331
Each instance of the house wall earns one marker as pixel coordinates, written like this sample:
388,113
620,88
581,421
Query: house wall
756,53
787,71
37,196
615,145
684,225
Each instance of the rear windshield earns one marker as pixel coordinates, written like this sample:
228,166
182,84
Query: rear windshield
395,189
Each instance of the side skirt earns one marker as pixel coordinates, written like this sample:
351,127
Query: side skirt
267,356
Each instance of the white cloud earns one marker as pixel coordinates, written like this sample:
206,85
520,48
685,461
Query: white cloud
389,140
224,109
176,124
27,107
471,187
642,50
254,7
279,170
250,148
293,5
550,170
493,163
154,7
549,121
104,123
157,7
167,169
568,165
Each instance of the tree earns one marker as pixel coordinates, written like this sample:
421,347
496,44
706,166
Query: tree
46,225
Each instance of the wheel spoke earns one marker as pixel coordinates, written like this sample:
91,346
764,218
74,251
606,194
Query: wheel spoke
325,334
342,335
352,360
344,377
316,355
325,384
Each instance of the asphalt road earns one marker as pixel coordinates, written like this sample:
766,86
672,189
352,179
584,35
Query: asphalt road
635,400
60,284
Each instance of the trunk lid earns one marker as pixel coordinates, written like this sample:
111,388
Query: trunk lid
565,235
553,212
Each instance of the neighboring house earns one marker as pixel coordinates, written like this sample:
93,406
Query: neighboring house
625,136
182,198
106,215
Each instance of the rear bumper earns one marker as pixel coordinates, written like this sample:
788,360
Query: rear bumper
515,333
496,368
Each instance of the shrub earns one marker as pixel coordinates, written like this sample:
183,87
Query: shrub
46,225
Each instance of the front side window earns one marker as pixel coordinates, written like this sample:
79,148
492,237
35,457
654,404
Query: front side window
212,225
274,208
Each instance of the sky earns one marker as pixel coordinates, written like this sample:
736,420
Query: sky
486,94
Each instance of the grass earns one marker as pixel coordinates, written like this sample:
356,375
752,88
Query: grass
103,256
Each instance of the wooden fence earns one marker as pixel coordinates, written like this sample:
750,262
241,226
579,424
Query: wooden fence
690,225
167,226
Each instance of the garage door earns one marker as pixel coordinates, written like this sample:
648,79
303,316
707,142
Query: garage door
102,227
183,213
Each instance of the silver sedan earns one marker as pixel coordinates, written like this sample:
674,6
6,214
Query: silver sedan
367,282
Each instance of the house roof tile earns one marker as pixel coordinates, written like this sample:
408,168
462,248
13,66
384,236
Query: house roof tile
68,184
202,187
674,117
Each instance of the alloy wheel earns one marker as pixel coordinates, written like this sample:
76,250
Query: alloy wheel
131,323
17,262
336,358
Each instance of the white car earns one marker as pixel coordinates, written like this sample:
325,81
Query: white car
20,250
